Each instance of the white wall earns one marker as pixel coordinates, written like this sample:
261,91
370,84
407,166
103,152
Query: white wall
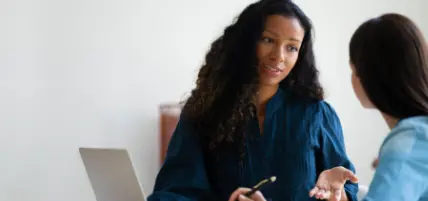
93,72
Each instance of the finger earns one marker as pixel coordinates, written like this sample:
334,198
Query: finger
327,195
324,195
243,198
322,183
320,194
313,191
349,175
337,195
238,192
323,187
258,196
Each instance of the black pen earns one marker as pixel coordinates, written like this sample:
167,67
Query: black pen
259,186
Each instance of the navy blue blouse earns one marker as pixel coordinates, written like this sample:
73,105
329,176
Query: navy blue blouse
301,138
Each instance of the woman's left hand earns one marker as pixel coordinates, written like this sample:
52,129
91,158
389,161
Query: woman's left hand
238,195
330,184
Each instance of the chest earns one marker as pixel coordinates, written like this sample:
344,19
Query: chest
284,150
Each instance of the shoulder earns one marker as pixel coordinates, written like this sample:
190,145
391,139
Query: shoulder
317,113
408,137
324,121
402,161
319,110
310,105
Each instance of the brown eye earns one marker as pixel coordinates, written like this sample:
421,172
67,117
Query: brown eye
292,48
267,39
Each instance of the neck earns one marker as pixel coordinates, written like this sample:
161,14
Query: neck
264,95
390,121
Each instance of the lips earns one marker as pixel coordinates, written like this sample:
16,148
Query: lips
271,71
272,68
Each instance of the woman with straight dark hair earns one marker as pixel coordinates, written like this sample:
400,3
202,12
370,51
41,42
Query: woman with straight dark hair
389,61
257,111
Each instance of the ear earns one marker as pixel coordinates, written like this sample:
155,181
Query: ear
352,66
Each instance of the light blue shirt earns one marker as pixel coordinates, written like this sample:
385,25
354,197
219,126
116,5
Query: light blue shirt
402,172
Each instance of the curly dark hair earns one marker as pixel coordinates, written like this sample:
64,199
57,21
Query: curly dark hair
224,98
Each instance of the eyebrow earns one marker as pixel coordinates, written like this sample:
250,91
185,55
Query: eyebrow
292,39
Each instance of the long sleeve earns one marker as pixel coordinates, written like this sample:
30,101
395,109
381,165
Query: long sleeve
182,176
333,152
402,170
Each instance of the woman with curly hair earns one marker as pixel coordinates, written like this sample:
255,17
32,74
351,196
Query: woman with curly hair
257,111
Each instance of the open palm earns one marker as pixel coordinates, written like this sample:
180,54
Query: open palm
330,183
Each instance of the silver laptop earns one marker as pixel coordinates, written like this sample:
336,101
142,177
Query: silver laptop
112,174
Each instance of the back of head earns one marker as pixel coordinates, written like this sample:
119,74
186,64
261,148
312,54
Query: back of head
390,57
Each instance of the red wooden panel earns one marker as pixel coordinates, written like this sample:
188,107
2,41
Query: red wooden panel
169,115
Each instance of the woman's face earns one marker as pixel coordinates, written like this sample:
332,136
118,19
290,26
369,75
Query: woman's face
278,48
358,89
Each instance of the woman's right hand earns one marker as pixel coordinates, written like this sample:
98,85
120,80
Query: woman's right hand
238,194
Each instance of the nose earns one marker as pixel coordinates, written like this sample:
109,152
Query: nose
277,54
